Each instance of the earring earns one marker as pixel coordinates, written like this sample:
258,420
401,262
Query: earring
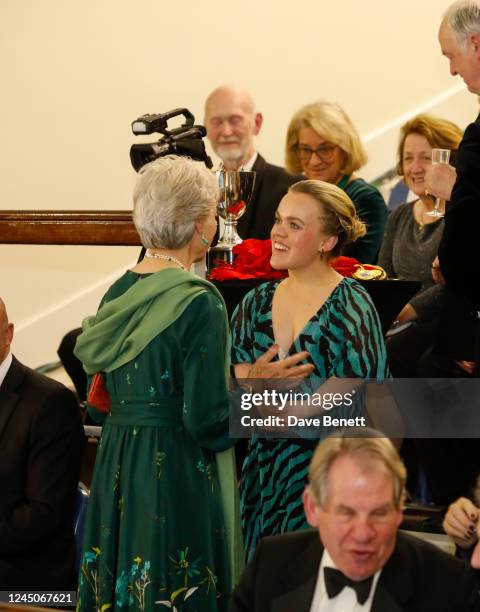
204,240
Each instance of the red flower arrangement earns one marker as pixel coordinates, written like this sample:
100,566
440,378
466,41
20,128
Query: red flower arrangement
252,260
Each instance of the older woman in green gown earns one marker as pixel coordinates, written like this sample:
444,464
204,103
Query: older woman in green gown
157,532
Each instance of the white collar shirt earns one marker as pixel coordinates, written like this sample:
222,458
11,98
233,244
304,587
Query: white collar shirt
346,600
4,367
250,163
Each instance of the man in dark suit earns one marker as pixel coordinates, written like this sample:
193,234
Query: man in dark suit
41,443
459,38
232,122
354,560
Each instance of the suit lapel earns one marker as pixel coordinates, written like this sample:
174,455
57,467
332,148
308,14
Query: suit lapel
8,392
299,580
395,586
383,600
299,599
245,223
258,167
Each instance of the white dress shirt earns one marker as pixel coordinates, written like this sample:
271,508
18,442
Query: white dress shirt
346,600
4,367
249,165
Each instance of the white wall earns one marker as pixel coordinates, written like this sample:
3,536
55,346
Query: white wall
75,74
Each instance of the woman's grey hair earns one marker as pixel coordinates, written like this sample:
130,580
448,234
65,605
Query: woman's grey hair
370,447
170,195
463,17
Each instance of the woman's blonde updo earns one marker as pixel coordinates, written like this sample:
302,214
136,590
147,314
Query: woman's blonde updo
337,212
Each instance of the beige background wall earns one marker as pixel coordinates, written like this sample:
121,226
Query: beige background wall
75,74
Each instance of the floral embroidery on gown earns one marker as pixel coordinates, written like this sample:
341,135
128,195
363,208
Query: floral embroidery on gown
344,339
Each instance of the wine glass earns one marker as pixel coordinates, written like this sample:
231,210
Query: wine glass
439,156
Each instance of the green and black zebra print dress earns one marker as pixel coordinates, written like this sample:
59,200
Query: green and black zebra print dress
344,339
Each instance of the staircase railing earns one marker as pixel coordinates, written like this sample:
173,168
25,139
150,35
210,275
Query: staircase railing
94,227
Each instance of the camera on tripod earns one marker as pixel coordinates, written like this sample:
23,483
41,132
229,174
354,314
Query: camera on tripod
185,140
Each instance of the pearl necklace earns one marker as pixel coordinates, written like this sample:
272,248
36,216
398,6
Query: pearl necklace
163,257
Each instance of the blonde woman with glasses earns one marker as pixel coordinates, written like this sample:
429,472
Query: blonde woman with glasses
323,143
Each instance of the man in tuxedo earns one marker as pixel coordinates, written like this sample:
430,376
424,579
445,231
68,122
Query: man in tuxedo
354,560
459,37
232,122
41,443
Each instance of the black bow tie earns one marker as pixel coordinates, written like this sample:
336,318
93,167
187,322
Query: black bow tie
335,581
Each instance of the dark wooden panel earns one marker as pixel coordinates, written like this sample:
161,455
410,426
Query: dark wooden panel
94,227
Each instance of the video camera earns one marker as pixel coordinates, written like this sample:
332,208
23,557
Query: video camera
185,140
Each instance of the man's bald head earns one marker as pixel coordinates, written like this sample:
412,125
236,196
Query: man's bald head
231,123
227,94
6,332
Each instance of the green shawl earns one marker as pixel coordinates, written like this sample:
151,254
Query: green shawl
124,326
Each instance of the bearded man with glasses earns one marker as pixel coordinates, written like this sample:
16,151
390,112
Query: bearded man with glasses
232,122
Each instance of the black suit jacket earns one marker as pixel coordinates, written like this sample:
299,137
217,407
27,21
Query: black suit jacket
458,250
271,184
458,255
41,442
418,577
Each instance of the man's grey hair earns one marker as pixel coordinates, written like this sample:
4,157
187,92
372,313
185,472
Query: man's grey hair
369,447
170,195
463,17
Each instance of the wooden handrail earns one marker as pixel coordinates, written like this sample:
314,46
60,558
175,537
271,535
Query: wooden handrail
94,227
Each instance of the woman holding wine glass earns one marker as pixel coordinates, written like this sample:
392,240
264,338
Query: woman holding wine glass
411,239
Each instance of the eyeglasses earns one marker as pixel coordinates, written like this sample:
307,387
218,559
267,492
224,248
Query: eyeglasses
324,152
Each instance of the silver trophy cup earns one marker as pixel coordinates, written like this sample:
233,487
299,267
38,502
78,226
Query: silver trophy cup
236,189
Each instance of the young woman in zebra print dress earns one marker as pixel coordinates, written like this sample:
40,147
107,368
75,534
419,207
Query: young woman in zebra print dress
315,310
